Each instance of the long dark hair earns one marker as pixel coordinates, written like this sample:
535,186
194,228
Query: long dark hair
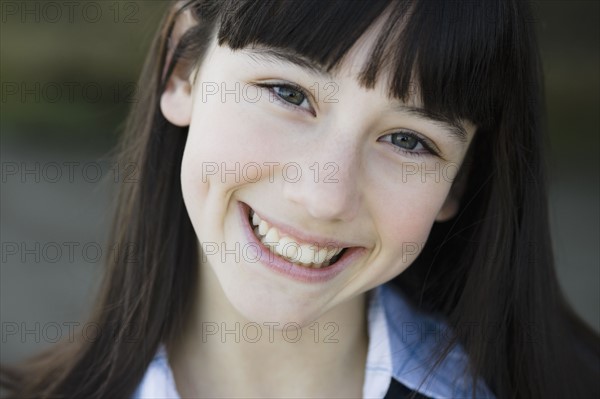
491,266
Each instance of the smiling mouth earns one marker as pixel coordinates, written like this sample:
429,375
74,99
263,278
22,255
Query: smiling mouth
291,249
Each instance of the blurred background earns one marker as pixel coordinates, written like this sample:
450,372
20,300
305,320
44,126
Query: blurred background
68,73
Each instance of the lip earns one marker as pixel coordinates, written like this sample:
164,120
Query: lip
304,238
299,273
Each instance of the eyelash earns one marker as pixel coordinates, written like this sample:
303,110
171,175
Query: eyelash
421,140
429,148
271,86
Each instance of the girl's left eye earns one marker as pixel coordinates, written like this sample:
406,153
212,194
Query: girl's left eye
408,142
288,95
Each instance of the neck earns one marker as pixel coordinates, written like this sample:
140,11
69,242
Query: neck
222,354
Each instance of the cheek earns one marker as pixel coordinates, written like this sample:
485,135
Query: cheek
228,147
414,214
213,154
404,218
228,144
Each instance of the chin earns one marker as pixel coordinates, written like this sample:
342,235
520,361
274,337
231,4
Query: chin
277,312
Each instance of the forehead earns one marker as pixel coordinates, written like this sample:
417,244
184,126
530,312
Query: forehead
349,69
449,54
404,52
347,74
340,46
353,65
355,61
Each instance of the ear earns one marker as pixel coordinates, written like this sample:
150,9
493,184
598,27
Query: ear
454,198
459,184
449,209
176,99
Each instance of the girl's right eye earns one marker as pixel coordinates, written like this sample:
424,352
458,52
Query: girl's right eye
288,95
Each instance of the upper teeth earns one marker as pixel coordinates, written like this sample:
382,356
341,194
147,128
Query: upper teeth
289,248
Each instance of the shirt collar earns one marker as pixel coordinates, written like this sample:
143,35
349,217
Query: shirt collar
400,339
158,382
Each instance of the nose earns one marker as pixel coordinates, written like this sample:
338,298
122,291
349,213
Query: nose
327,187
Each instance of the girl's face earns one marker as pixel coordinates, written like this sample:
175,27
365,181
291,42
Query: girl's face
321,159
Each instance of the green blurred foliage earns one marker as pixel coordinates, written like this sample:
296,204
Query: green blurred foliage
569,37
82,60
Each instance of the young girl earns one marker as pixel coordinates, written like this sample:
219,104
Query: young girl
294,158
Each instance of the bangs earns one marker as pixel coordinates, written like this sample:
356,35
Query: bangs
461,58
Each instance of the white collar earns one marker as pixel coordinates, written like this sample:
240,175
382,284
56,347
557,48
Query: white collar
400,338
412,336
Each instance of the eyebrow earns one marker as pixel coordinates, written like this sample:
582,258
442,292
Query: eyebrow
456,130
278,55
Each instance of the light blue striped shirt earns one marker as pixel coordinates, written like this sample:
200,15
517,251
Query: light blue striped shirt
400,339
